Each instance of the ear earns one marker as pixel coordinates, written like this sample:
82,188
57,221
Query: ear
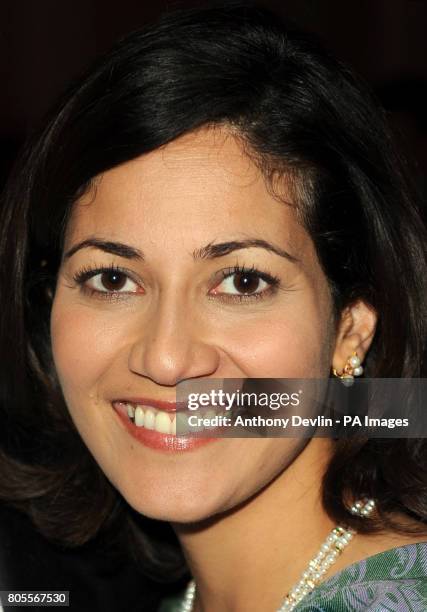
356,330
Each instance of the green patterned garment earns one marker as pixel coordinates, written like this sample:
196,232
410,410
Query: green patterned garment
391,581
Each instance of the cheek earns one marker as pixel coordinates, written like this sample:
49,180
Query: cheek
287,345
83,346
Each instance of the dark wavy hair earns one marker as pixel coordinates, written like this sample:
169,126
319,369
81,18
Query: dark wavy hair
298,113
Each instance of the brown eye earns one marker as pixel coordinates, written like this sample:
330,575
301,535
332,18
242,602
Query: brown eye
246,282
113,281
243,283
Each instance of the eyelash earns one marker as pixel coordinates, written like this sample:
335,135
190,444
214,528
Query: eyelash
85,273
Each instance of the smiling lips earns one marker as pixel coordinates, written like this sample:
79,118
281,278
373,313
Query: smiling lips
162,419
155,425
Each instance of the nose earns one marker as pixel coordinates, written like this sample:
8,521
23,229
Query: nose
172,345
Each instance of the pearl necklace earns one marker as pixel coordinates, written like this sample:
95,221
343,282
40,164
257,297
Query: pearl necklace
328,553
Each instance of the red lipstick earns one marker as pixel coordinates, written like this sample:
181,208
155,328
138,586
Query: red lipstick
152,438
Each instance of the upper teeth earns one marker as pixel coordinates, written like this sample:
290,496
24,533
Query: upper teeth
151,418
159,420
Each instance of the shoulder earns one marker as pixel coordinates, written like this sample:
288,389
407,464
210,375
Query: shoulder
395,579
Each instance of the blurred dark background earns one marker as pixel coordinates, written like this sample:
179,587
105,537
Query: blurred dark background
44,44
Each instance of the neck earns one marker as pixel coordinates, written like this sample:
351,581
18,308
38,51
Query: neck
267,540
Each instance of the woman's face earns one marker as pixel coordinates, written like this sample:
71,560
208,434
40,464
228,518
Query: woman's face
180,308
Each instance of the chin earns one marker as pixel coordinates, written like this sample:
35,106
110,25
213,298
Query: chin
178,508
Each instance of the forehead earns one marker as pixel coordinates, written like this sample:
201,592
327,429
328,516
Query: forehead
200,187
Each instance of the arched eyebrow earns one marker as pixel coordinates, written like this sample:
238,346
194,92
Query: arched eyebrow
210,251
116,248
